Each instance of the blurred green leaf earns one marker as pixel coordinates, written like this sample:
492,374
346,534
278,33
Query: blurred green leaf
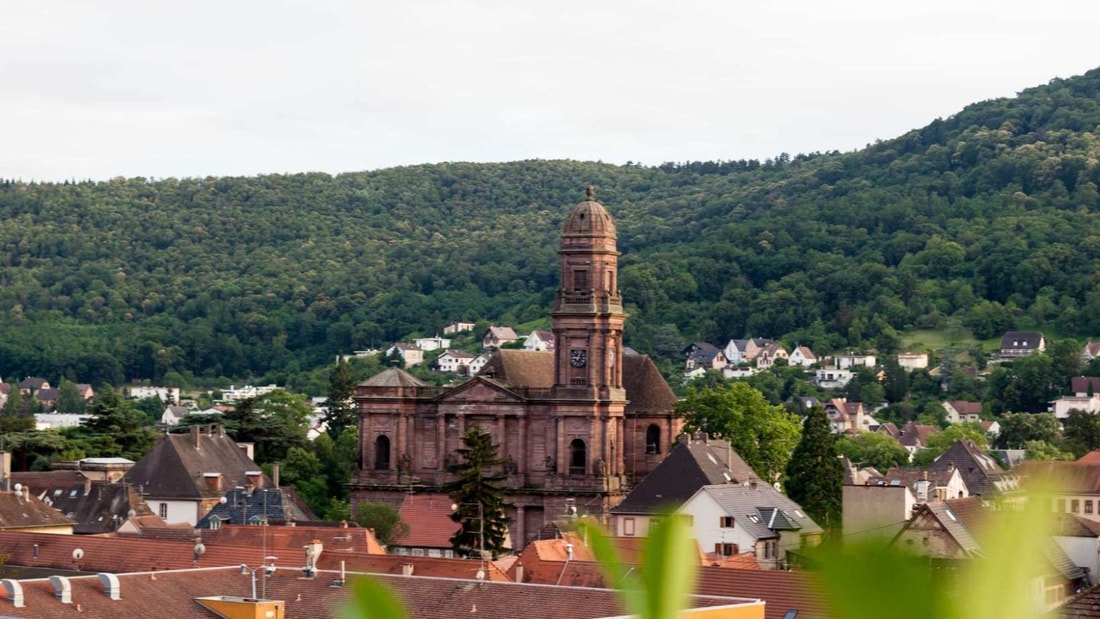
371,599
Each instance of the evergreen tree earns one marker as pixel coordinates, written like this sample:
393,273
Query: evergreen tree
69,399
116,427
478,496
815,475
14,405
341,408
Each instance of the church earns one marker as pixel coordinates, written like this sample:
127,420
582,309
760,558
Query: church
578,426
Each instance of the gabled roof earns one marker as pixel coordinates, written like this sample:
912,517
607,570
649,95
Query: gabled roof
175,467
1081,384
33,382
806,352
982,474
702,352
908,477
106,506
916,434
743,502
501,333
966,408
428,517
1021,339
457,354
689,466
949,517
1078,477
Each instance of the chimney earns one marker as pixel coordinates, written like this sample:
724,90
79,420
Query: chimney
5,466
519,572
569,552
255,478
221,431
406,569
275,475
195,436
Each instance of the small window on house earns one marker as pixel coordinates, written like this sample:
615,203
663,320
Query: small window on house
754,518
1088,506
726,522
215,524
628,526
163,510
1075,506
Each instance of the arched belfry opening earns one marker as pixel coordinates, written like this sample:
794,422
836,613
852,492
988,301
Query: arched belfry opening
382,453
653,439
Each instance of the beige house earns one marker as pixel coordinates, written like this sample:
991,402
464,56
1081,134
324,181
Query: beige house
959,411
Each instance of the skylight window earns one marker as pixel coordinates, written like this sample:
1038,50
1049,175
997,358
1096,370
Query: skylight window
754,518
711,456
951,515
799,513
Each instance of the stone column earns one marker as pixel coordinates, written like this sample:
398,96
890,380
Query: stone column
560,460
441,443
520,540
522,456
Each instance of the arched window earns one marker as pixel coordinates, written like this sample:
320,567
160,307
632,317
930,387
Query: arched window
653,439
577,457
382,453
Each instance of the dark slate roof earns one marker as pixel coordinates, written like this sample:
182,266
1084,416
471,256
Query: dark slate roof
1021,339
174,467
48,395
688,467
744,502
106,506
947,513
393,377
254,505
906,476
646,389
982,474
32,382
702,352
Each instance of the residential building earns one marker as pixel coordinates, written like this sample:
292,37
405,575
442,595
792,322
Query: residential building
23,512
430,528
692,463
802,356
184,476
141,392
458,327
495,337
1016,344
572,423
738,352
982,474
539,340
56,421
959,411
704,356
844,362
845,416
770,354
232,394
410,354
428,344
753,518
912,361
454,361
256,506
832,378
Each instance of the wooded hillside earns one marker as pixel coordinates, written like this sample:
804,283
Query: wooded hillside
988,217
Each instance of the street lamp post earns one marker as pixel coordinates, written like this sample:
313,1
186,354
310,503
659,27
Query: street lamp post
268,568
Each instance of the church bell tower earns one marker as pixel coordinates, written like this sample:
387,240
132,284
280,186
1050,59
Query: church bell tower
588,311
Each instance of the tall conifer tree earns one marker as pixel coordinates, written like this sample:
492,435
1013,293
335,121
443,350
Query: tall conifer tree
478,496
815,475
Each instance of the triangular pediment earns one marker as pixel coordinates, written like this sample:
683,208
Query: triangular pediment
479,389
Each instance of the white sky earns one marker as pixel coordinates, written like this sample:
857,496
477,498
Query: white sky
227,87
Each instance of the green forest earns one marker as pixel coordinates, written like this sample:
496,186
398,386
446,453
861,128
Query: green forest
986,220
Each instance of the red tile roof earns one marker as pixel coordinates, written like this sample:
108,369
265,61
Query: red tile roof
152,594
783,591
429,519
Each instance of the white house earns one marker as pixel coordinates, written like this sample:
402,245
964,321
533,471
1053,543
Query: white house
733,371
48,421
248,391
431,343
455,361
142,392
458,327
912,361
802,356
830,378
476,364
749,518
409,353
843,362
539,340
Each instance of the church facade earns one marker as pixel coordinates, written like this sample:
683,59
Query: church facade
578,426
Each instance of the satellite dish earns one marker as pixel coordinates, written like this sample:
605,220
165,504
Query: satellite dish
78,554
200,548
131,513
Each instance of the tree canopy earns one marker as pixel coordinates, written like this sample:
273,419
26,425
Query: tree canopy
815,475
763,434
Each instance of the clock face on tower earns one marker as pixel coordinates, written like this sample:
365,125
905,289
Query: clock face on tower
578,357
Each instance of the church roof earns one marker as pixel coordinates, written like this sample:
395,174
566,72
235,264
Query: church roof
588,218
393,377
646,389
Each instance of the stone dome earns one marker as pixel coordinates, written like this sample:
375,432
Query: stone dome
589,218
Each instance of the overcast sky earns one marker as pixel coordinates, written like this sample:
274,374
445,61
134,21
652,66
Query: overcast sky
157,89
